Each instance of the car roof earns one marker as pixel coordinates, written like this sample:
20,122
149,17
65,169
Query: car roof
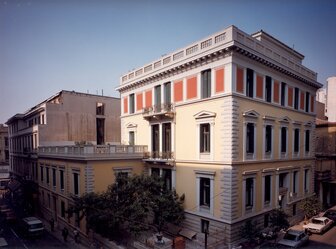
332,208
320,218
32,220
295,232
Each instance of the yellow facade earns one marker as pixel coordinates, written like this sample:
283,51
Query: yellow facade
241,132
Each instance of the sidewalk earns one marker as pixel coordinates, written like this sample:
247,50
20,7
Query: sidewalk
57,233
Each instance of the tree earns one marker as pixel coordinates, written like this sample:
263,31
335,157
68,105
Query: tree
133,204
249,230
279,219
311,206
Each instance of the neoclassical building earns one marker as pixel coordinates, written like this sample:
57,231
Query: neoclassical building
229,122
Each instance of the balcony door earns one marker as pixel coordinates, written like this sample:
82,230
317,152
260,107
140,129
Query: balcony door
166,140
155,140
157,98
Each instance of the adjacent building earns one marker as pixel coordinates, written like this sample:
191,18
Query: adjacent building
229,122
4,148
68,145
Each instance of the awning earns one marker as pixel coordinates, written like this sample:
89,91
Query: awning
189,234
13,185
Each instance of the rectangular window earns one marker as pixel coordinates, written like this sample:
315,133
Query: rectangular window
296,140
76,183
295,181
294,209
307,140
205,138
167,93
296,98
47,175
167,178
250,138
61,179
282,177
306,180
249,82
157,98
267,197
166,139
54,177
283,139
155,172
206,83
41,173
268,90
249,192
131,138
268,138
283,93
205,192
307,102
131,103
100,132
205,226
62,209
100,109
155,141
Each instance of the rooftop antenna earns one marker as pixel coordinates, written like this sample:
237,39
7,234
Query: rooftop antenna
102,92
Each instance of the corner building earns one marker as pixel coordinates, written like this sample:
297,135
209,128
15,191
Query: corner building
229,122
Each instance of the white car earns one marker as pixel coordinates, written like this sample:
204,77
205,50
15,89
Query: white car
294,238
318,225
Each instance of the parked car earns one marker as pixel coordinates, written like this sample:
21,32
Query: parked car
331,214
294,238
318,225
32,226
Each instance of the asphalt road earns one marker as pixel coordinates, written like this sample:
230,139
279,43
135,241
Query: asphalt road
326,240
17,241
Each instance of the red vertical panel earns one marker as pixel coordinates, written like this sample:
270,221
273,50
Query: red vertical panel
178,91
192,88
220,80
240,80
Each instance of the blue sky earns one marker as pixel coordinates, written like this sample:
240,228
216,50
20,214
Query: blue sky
47,46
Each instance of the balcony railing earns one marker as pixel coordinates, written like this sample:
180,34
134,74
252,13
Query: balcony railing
100,151
283,190
156,155
159,111
323,175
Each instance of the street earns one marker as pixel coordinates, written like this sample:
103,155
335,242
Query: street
326,240
15,240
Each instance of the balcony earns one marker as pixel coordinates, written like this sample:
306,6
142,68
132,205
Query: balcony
283,190
156,156
323,175
94,151
158,112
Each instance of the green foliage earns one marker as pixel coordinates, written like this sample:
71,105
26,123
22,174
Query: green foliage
311,206
250,230
279,219
131,204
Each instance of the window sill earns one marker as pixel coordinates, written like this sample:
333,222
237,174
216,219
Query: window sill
205,209
204,155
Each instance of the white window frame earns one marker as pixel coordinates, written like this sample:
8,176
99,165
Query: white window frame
250,116
76,171
268,121
296,125
205,117
307,128
131,127
284,123
268,204
306,190
249,174
210,175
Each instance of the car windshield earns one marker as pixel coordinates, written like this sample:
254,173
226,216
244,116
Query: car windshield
34,226
315,221
289,236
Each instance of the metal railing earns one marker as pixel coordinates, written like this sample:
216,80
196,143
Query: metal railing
167,155
158,109
93,150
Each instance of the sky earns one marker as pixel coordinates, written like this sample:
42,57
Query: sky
51,45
